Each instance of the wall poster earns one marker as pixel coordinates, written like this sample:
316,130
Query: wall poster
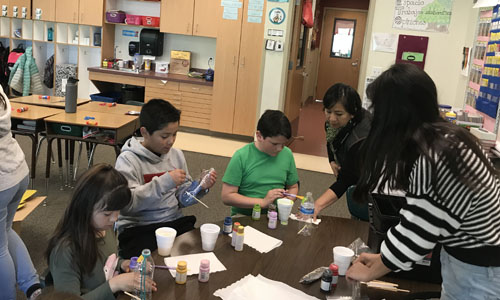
423,15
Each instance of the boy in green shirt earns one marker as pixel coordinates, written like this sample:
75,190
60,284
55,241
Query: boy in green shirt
260,172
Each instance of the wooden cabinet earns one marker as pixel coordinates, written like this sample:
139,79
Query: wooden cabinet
177,16
47,7
190,17
91,12
237,75
67,11
8,11
205,21
23,9
194,100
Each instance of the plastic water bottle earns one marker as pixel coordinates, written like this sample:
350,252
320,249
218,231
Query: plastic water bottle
146,270
307,211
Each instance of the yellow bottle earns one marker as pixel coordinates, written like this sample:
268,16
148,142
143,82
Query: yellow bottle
181,272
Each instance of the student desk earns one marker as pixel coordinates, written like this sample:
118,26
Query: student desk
34,113
55,102
103,107
297,256
69,126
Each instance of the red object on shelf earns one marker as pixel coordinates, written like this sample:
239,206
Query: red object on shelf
133,19
150,21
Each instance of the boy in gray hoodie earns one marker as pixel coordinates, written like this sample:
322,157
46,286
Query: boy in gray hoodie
158,177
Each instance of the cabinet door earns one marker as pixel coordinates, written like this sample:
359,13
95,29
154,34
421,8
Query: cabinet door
67,11
248,88
205,17
47,9
21,5
5,4
226,72
91,12
177,16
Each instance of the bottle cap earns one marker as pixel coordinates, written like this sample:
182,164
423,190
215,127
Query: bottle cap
236,225
334,268
273,215
256,207
182,265
228,220
133,262
327,275
204,263
241,229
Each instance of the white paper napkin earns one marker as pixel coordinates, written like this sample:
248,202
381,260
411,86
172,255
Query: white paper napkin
259,240
256,288
193,262
294,217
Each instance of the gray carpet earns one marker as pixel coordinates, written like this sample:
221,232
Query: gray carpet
38,227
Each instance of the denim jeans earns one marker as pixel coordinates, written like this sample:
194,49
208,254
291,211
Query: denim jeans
15,261
466,281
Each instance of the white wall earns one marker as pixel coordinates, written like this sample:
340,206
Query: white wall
202,48
444,52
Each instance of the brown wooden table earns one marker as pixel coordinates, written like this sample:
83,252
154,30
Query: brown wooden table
297,256
54,101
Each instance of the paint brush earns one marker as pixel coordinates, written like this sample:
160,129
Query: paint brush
131,296
165,267
293,195
194,197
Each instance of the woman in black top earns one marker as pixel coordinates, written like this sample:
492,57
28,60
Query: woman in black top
347,125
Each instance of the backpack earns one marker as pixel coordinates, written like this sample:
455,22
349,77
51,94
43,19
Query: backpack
14,55
48,73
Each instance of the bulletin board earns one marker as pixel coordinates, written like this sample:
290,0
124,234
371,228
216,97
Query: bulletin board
412,49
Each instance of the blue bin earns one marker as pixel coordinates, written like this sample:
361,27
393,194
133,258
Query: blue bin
109,97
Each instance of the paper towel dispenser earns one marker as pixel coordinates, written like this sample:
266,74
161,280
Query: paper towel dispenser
151,42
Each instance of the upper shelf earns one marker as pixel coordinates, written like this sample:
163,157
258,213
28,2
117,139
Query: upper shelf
124,24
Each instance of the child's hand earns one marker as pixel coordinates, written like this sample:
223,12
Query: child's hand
127,282
211,180
271,196
125,265
178,176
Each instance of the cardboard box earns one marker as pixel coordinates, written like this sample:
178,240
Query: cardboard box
180,61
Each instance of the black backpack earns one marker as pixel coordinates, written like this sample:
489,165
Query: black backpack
48,73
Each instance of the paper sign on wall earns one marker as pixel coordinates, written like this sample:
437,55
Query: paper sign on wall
424,15
412,49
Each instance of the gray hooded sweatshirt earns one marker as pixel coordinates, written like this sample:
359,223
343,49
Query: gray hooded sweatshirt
155,198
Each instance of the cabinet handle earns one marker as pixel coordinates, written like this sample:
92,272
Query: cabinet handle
187,28
163,82
197,28
234,60
75,17
243,61
195,89
81,16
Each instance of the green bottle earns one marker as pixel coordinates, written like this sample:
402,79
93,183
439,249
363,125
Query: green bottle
256,212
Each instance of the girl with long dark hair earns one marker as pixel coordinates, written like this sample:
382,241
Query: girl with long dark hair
347,125
84,243
452,189
15,262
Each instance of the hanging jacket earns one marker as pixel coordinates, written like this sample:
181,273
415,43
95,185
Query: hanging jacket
25,76
48,73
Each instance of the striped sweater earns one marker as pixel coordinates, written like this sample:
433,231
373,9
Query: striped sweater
462,220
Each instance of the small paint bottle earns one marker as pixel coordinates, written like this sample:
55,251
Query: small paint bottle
273,220
22,109
240,238
43,97
335,275
228,225
256,212
326,281
181,272
204,270
270,208
235,232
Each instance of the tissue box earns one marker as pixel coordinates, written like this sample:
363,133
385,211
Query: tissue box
180,62
161,67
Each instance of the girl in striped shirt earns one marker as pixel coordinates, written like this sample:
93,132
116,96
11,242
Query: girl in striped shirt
452,189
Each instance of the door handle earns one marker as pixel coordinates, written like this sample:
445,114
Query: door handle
354,64
305,74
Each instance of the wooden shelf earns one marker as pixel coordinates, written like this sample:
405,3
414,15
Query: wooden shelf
124,24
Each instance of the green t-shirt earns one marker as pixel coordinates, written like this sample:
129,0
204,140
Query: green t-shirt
255,173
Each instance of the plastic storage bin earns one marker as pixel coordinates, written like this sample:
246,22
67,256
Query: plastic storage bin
65,129
150,21
115,16
133,19
109,97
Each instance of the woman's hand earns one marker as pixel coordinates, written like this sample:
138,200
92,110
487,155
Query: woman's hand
211,180
335,168
127,282
367,267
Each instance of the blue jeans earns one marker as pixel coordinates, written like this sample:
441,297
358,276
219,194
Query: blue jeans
466,281
15,261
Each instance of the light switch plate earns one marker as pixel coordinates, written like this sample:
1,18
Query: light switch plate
270,44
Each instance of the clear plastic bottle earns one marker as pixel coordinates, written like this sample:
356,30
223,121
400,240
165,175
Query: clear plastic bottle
307,211
194,189
146,271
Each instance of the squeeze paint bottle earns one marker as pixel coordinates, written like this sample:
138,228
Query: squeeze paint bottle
335,275
181,272
235,232
204,270
256,212
273,220
228,225
326,281
240,237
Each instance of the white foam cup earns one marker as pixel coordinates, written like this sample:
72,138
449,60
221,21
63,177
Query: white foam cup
209,234
284,209
342,257
165,237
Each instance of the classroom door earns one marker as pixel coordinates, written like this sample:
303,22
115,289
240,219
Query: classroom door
341,48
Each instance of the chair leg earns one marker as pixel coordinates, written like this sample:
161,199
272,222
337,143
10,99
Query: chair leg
91,157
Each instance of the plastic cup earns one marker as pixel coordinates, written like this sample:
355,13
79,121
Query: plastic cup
342,257
209,234
165,237
284,209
